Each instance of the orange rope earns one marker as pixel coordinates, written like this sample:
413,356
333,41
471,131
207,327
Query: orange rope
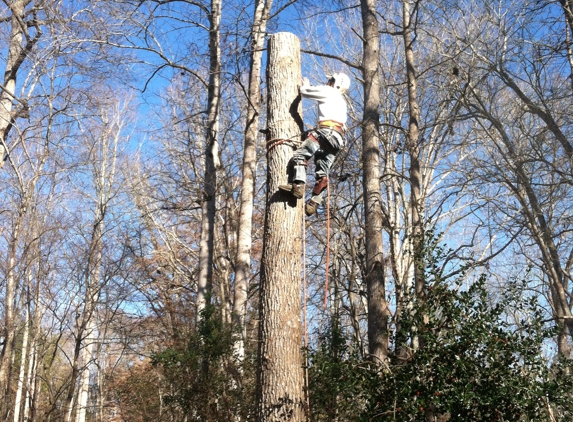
305,315
327,243
271,143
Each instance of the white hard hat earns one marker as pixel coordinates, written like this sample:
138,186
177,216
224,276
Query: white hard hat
341,81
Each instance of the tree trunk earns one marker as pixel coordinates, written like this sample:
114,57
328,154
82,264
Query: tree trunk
243,261
92,279
205,278
17,52
31,382
412,137
33,377
567,6
280,384
9,328
375,278
87,355
24,355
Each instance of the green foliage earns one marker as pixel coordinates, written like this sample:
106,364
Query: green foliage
474,363
340,380
203,377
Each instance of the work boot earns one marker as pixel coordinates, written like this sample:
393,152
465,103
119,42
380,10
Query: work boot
310,207
297,189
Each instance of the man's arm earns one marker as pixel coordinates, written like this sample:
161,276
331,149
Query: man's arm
321,92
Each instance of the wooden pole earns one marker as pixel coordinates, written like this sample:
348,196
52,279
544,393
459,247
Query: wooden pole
280,377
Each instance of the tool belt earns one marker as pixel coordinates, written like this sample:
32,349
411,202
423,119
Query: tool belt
331,124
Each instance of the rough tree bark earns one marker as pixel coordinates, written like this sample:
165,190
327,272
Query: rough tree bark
243,261
205,278
413,148
21,43
23,357
280,376
567,6
86,360
375,278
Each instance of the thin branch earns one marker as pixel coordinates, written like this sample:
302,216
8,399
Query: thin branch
290,3
332,56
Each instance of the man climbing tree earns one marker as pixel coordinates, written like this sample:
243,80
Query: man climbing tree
280,377
323,142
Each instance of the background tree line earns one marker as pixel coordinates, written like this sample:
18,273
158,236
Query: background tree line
133,174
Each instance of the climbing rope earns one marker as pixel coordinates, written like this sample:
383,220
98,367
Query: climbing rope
327,244
271,143
305,315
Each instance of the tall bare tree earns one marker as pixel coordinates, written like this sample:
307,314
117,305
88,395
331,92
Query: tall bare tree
244,230
378,311
25,31
102,137
279,367
205,277
413,147
28,171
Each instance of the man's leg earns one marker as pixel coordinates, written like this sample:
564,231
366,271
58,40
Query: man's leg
299,161
323,162
315,200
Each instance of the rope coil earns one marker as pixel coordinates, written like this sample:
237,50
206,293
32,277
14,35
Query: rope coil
271,143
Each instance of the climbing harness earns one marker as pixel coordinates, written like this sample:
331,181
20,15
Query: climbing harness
331,124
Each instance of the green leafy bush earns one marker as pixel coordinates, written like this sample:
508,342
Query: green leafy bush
341,382
472,363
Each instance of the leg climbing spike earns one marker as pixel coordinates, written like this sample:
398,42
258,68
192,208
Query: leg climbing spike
320,185
310,207
297,189
314,202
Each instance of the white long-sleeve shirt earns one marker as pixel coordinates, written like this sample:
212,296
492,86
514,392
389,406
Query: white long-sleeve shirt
331,103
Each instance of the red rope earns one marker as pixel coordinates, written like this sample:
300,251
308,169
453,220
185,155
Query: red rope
305,314
327,244
271,143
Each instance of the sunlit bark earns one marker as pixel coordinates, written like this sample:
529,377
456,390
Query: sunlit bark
244,232
378,311
279,369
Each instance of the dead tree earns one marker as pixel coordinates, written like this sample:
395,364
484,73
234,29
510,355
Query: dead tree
280,394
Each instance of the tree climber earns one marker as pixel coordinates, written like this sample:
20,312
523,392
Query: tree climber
323,142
